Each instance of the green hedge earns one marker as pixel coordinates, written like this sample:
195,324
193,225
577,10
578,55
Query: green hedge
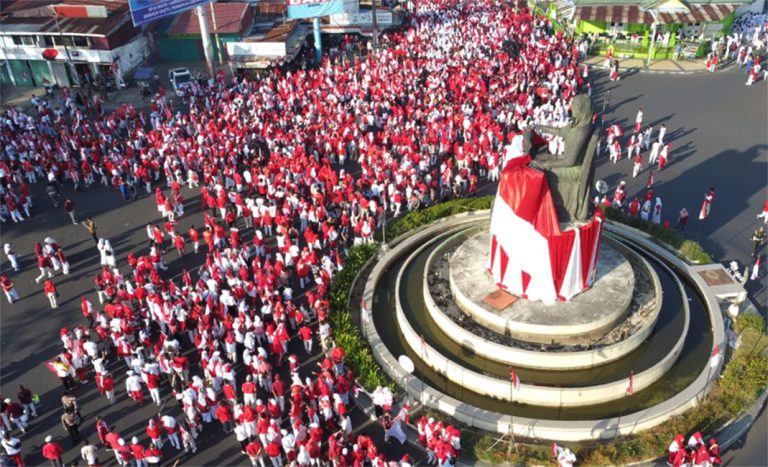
345,333
416,219
689,249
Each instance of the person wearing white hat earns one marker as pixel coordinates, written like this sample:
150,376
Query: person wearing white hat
52,451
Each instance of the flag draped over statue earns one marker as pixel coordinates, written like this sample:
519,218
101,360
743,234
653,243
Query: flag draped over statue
530,256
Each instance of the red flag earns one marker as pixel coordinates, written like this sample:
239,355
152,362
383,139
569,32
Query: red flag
715,359
514,379
555,450
423,348
631,385
756,270
703,212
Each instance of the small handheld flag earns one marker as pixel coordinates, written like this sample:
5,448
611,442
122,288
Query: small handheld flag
514,379
756,270
715,359
631,385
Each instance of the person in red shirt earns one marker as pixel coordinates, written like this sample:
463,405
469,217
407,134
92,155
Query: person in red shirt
224,414
256,453
153,455
273,451
52,451
178,242
137,451
194,237
305,332
49,288
9,289
154,431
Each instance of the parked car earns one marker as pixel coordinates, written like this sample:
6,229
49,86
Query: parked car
179,78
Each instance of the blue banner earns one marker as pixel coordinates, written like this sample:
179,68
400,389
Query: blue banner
144,11
314,8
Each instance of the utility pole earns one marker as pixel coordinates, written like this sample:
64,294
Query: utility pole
202,15
216,35
375,40
655,15
66,49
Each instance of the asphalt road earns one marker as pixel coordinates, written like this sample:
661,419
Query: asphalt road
717,127
718,130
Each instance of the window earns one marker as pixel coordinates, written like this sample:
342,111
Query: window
46,41
81,41
24,40
63,41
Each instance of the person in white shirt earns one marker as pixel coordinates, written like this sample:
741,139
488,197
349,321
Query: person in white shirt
89,453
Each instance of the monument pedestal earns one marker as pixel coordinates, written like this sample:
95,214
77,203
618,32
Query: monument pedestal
584,318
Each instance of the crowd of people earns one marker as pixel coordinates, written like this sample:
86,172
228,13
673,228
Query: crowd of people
696,452
745,44
293,169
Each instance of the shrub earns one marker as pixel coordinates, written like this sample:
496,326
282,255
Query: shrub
416,219
749,321
345,333
689,249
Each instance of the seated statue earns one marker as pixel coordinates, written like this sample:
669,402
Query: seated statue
569,175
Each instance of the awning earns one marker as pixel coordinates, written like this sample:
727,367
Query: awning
700,14
632,14
625,14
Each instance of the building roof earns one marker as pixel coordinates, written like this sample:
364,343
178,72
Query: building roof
35,16
634,14
231,18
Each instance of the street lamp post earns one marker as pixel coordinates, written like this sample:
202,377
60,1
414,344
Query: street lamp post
654,26
66,48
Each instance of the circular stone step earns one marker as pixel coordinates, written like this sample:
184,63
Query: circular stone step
584,318
616,343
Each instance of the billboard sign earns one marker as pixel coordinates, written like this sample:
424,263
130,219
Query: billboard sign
313,8
144,11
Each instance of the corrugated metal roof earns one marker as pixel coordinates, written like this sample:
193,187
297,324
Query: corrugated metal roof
632,14
231,18
35,16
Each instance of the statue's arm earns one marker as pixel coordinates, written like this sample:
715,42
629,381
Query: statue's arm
552,130
551,161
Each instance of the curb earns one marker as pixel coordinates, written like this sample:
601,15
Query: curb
646,69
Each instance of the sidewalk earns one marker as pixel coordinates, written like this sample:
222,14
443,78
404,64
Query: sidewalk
658,66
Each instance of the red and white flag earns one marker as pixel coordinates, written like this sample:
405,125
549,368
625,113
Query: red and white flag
514,379
715,359
556,450
423,348
364,311
631,385
756,270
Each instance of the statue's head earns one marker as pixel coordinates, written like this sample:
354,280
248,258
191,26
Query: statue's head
581,109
